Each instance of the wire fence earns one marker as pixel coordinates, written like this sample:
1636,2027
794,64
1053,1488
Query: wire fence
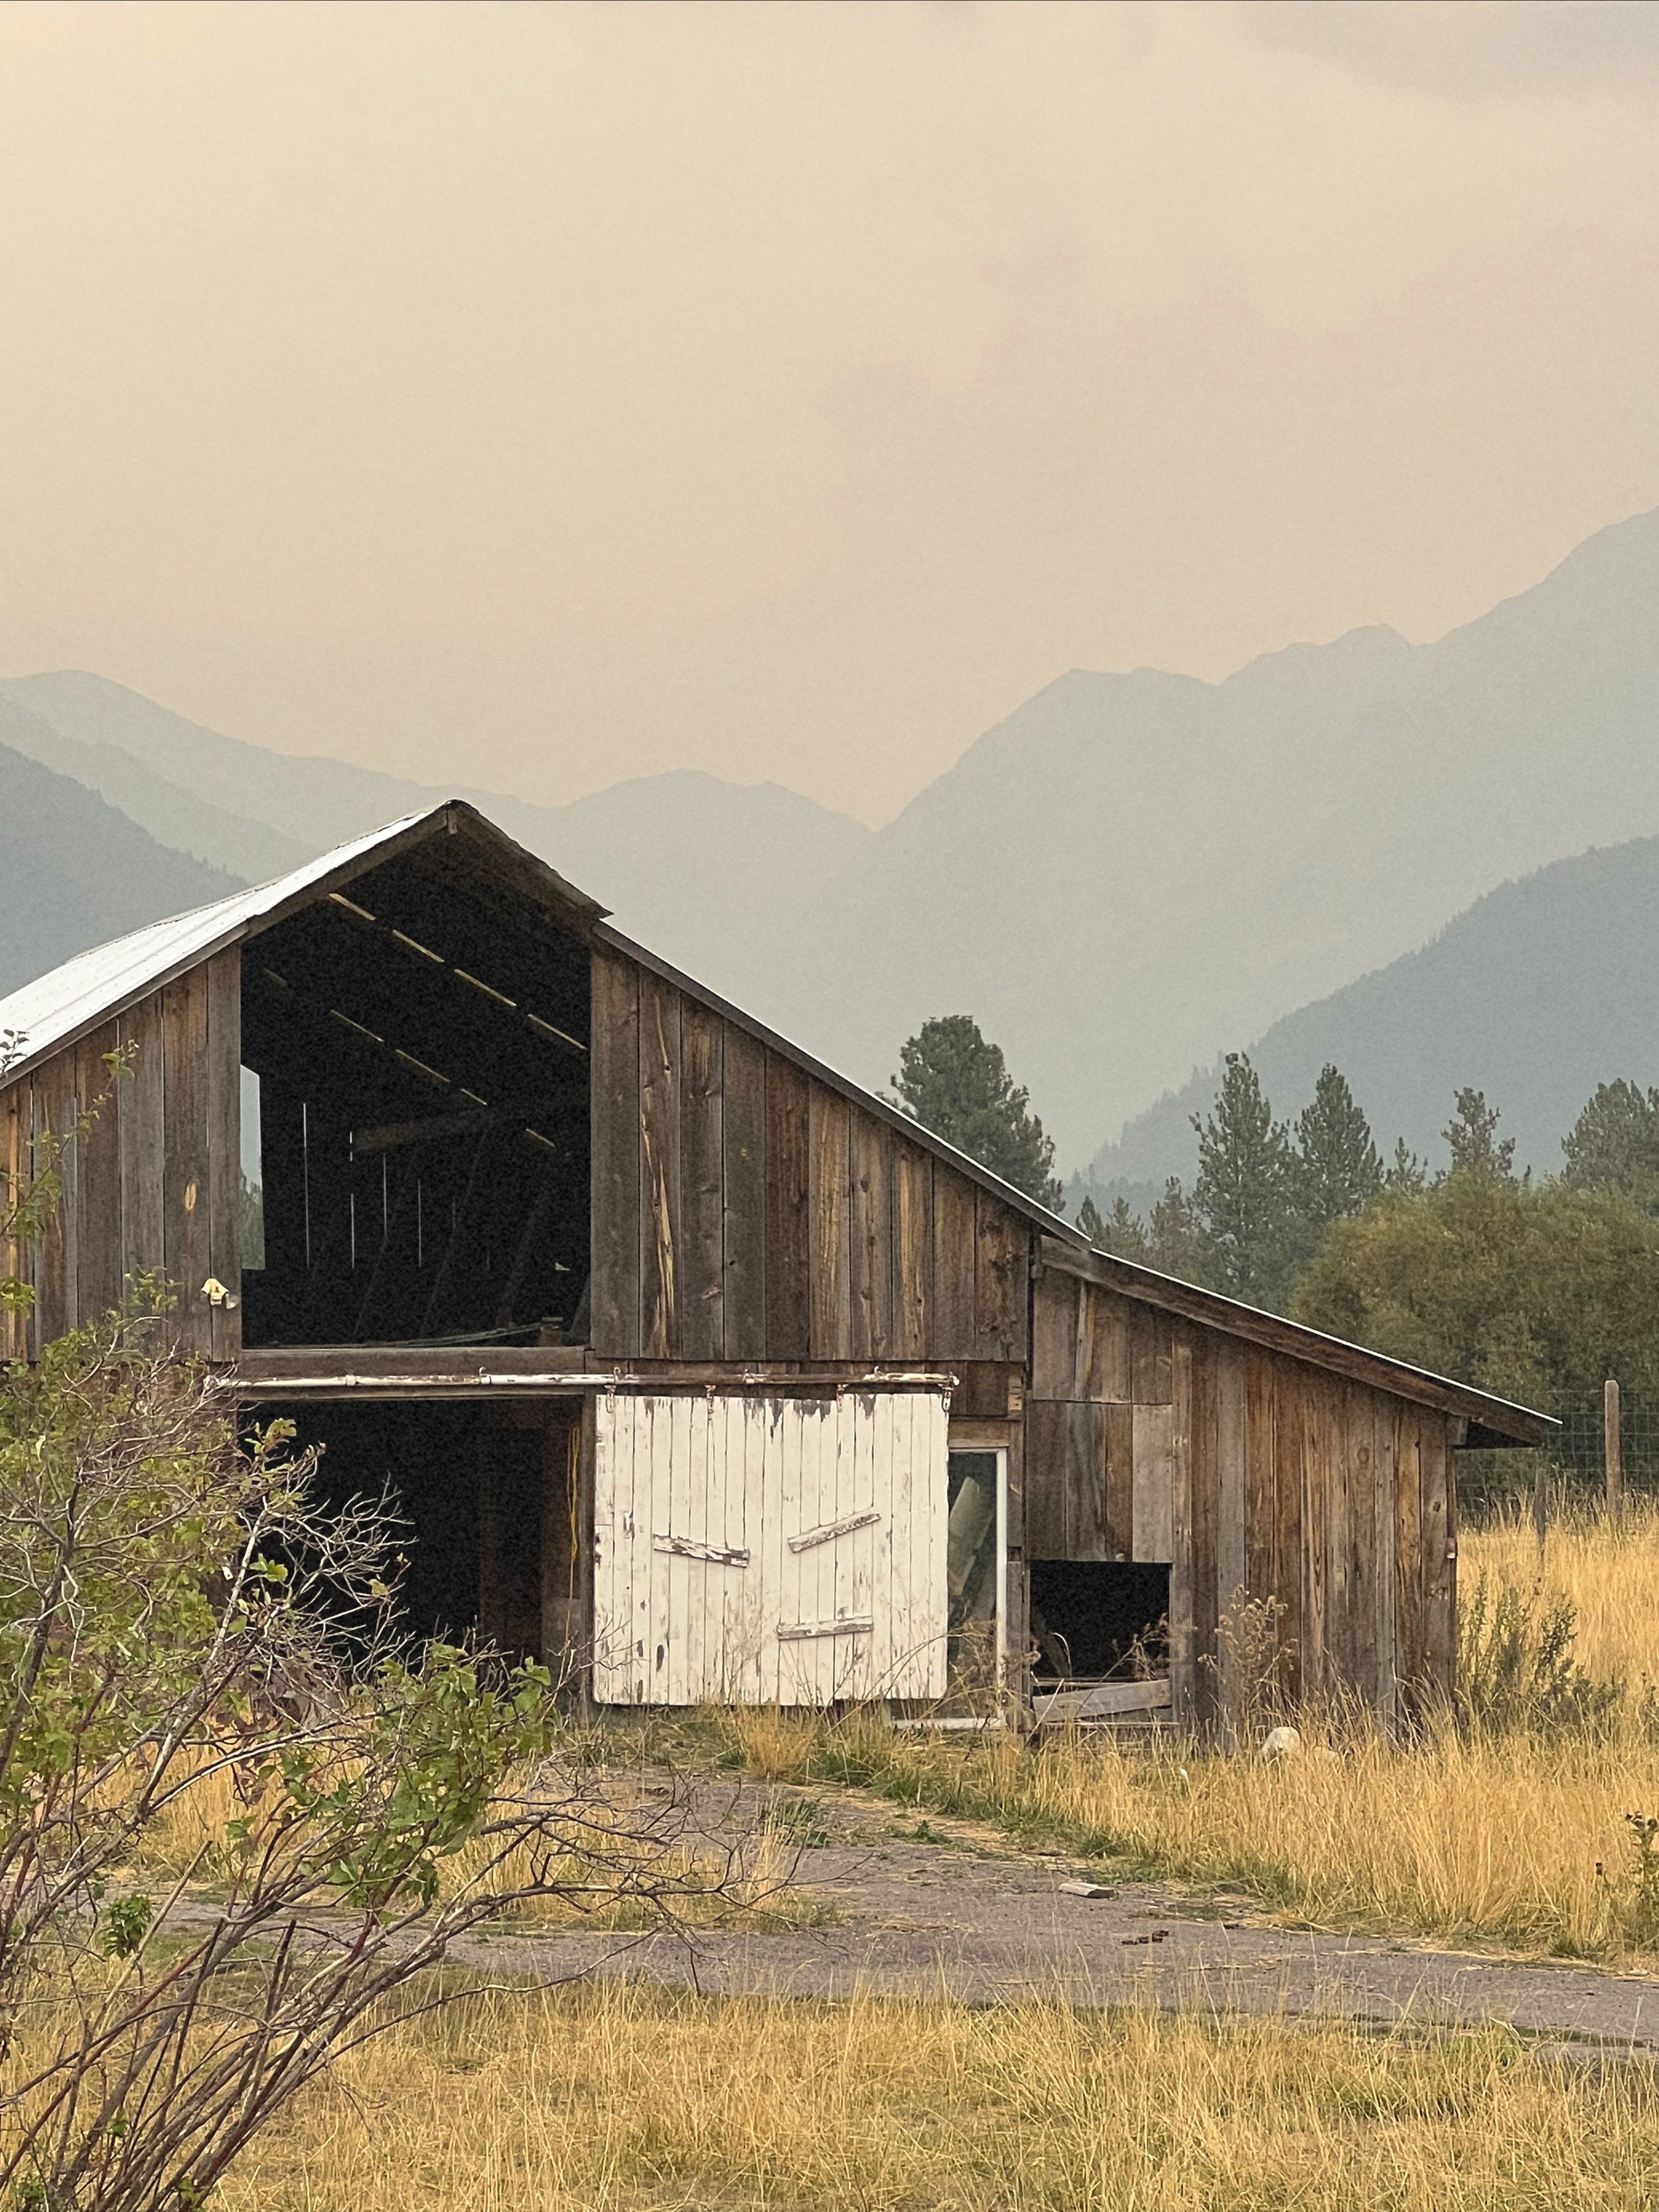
1571,1471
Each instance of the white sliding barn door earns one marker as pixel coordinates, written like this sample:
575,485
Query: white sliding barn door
749,1549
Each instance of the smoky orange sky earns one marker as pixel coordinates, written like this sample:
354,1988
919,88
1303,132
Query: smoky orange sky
537,395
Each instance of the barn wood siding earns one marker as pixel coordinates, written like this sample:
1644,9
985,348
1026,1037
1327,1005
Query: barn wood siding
1263,1480
153,1185
745,1211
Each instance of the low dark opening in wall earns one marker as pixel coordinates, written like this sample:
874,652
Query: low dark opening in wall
480,1491
1092,1618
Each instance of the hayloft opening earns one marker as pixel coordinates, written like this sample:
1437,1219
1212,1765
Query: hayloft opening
1094,1620
418,1056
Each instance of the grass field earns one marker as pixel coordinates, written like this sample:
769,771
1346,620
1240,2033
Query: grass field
628,2098
631,2098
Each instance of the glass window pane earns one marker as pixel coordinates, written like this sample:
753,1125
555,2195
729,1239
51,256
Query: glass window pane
971,1569
251,1208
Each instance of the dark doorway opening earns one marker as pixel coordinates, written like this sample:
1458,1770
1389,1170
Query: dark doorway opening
487,1499
416,1070
1092,1619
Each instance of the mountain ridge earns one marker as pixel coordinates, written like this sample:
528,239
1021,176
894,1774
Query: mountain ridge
75,871
1131,866
1536,993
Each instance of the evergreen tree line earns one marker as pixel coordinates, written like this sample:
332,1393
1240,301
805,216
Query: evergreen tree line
1535,1288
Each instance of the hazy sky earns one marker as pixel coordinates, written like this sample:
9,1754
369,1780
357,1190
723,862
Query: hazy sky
542,394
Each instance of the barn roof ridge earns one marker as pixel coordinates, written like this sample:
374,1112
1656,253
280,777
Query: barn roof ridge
57,1008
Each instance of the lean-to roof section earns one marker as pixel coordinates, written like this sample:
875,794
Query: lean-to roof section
1494,1422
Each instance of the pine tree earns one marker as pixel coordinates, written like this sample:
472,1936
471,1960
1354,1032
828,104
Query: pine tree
1472,1135
1339,1170
1122,1232
1406,1172
1614,1144
1175,1238
956,1083
1244,1197
1125,1234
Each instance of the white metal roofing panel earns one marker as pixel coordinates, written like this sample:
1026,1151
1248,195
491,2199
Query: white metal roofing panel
60,1005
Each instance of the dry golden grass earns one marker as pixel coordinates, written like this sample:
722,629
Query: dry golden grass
1609,1570
622,2097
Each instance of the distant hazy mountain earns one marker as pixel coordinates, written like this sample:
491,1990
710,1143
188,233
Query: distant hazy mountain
73,871
1135,870
687,860
1541,990
1130,874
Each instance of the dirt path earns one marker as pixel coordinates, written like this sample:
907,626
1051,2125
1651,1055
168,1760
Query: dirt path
963,1919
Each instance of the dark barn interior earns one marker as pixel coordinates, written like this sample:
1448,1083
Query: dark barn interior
421,1055
1092,1618
485,1494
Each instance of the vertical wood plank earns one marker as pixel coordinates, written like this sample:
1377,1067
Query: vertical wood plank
1384,1485
1439,1542
1152,1484
1150,1342
952,1332
703,1191
788,1298
1360,1579
615,1109
186,1199
1046,1444
1204,1464
1315,1517
1108,1366
1016,1489
1083,1428
1182,1655
1408,1554
224,1146
99,1237
1345,1518
828,1184
1119,1422
1059,1323
1258,1472
1232,1477
142,1126
660,1228
1288,1570
1002,1274
742,1136
912,1247
871,1239
53,1086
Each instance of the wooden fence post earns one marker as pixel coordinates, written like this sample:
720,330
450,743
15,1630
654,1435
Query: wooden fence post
1611,1449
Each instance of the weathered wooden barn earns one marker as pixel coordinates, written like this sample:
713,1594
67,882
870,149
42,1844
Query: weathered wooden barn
701,1371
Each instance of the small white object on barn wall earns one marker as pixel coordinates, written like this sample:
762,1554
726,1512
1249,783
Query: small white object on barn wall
750,1550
